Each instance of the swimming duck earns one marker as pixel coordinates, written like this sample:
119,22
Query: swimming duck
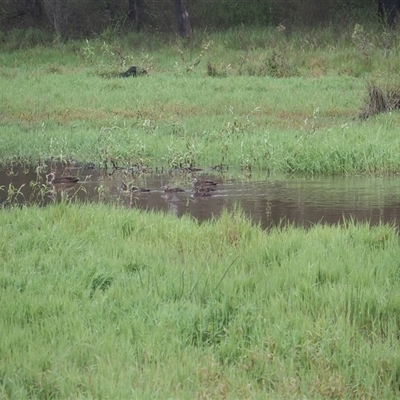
62,180
135,189
206,183
201,193
128,187
168,189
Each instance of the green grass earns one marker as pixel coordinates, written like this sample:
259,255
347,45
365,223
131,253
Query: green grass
279,102
100,302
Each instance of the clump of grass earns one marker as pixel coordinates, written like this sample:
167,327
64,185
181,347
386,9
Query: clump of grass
362,41
380,101
214,71
187,158
14,195
189,60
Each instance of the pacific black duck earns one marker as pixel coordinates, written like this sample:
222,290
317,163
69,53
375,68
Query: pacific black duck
203,183
124,187
201,193
168,189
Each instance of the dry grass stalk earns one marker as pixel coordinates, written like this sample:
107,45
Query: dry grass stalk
380,101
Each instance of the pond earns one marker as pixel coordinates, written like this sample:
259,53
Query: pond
268,201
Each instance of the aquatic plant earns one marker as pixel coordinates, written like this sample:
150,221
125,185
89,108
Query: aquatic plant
14,195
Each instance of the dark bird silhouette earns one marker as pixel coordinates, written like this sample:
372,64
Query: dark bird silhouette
132,71
62,180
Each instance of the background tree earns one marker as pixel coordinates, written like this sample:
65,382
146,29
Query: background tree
21,13
85,18
182,16
135,13
388,10
58,12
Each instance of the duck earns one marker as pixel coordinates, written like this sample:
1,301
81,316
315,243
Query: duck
168,189
132,188
135,189
197,192
123,187
206,183
132,71
141,190
62,180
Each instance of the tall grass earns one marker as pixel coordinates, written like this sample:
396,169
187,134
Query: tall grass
261,99
102,302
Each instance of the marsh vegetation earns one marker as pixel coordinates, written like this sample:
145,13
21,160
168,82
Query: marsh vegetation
99,301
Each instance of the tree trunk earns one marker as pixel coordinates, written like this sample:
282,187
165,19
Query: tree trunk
388,10
183,19
135,9
58,12
36,9
32,8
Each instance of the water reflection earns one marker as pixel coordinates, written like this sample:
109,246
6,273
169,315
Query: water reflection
301,201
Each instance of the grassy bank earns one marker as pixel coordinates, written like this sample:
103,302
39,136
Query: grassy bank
106,303
256,99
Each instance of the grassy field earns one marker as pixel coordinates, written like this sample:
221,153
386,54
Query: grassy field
254,99
103,302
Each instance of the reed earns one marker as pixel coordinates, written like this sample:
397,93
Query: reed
99,301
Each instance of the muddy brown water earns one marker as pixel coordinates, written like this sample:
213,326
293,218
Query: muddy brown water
268,201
